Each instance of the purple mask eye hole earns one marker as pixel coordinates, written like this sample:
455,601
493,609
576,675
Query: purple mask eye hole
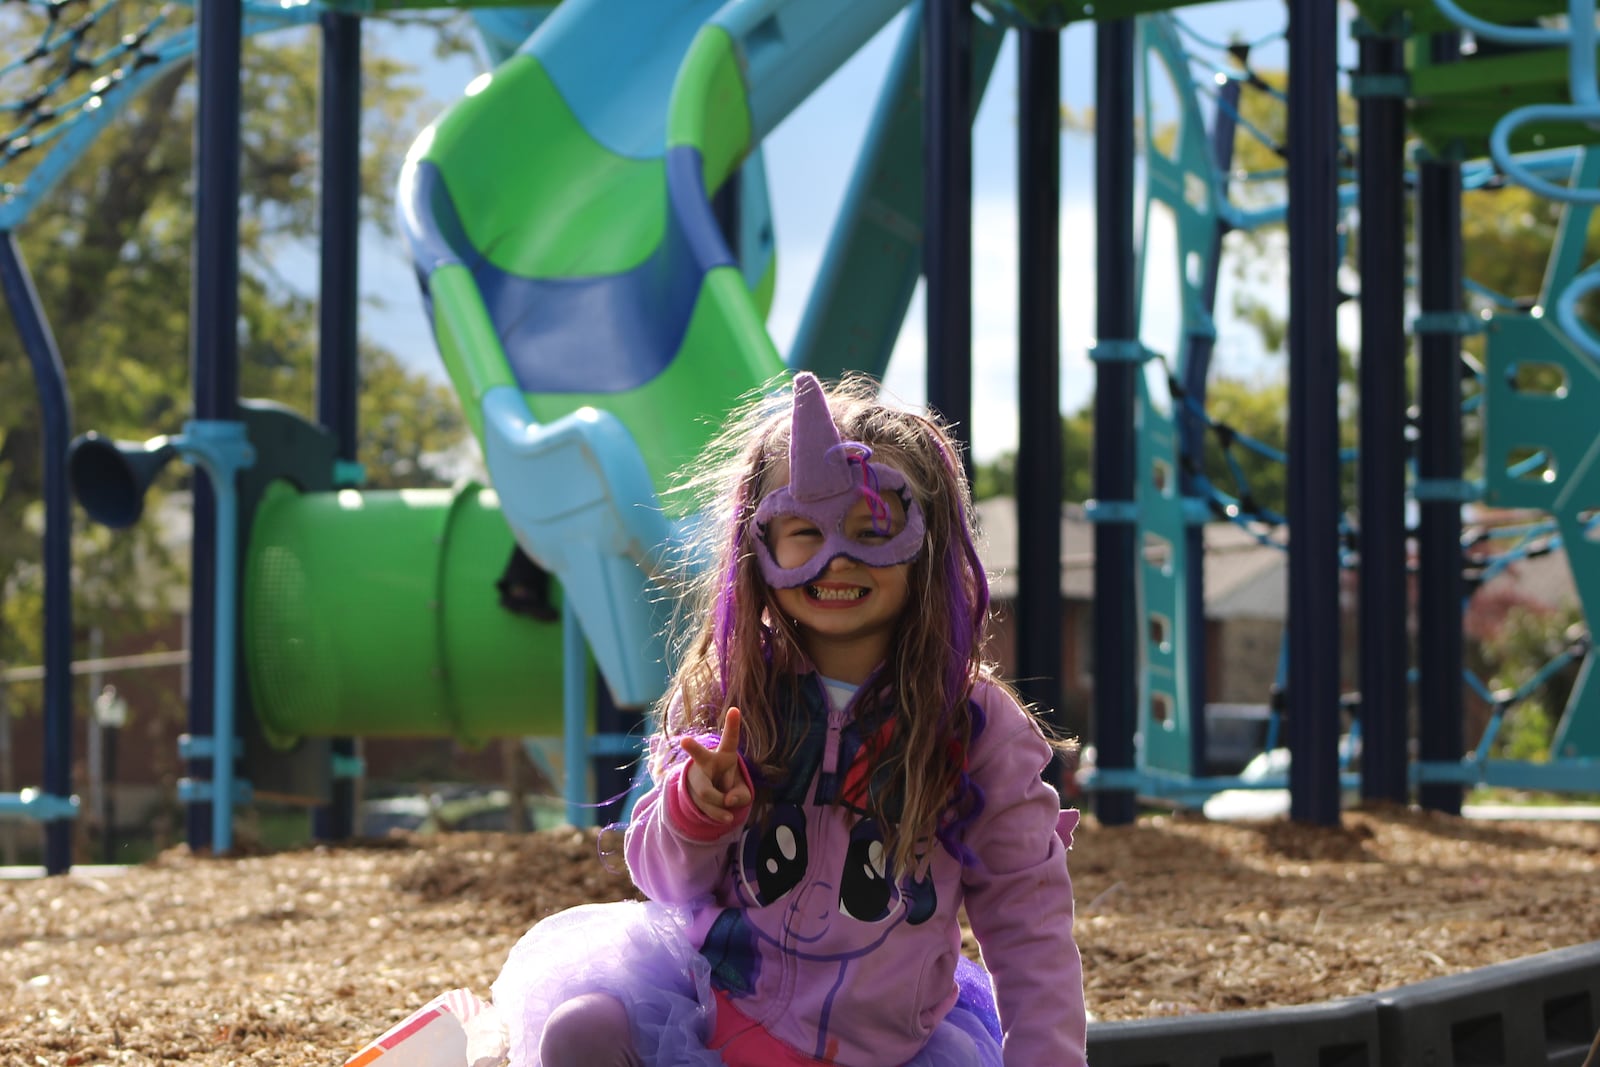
791,556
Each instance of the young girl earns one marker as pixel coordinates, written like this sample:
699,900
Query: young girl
838,775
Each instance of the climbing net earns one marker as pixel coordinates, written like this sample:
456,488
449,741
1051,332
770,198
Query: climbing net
86,60
1218,458
1227,74
80,62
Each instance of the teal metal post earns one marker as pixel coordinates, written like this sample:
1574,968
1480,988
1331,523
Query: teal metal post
221,449
574,716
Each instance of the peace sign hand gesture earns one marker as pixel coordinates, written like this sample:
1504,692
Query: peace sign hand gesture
715,782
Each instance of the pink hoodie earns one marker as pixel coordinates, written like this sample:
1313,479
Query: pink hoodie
809,940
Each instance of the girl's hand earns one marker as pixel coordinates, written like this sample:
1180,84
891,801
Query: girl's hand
715,782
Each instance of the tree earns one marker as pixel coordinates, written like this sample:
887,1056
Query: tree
999,478
111,256
1241,408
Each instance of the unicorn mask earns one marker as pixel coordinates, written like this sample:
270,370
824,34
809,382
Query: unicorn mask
827,477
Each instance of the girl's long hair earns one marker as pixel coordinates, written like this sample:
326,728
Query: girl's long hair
737,649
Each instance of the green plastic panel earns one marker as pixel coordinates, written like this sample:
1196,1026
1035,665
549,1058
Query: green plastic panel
376,615
1455,105
725,356
710,109
1541,451
574,209
467,340
1422,16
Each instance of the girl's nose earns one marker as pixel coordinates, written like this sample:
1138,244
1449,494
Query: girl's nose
840,563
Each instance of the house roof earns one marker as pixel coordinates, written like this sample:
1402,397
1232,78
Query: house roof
1244,578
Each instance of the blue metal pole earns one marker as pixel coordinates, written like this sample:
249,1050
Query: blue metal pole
214,347
614,757
947,241
1116,690
55,416
1439,586
1382,472
1039,459
574,716
338,364
221,448
1313,732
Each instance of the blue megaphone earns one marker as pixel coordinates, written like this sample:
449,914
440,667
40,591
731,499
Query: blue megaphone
110,478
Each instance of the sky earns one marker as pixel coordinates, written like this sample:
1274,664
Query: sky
809,162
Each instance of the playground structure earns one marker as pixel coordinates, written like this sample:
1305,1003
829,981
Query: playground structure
596,311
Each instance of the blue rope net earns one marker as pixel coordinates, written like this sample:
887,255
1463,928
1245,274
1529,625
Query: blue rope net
77,65
1487,551
1219,460
68,67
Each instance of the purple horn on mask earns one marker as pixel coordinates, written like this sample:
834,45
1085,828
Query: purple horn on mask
828,477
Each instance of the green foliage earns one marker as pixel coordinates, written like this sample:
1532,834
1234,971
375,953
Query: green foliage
1526,733
111,255
1521,642
999,478
1258,410
1255,409
995,479
1077,454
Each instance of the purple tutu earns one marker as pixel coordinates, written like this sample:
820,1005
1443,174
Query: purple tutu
638,952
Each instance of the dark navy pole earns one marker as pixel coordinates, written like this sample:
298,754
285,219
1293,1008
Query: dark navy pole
214,342
55,419
1382,471
1439,584
947,240
1313,729
1116,690
338,363
1039,458
1196,367
338,366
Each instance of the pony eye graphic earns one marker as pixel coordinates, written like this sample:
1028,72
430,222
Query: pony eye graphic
865,891
777,856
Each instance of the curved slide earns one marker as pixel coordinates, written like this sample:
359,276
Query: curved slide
590,313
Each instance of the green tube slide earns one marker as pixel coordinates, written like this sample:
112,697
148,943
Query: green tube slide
375,614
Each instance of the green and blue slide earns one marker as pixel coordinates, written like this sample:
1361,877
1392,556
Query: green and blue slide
588,308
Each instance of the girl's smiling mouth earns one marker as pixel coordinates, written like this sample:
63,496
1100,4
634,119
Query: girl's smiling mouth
835,595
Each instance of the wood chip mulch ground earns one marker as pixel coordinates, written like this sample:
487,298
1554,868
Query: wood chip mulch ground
301,957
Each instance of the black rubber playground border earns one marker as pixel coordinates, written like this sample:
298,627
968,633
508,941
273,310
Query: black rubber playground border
1540,1011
